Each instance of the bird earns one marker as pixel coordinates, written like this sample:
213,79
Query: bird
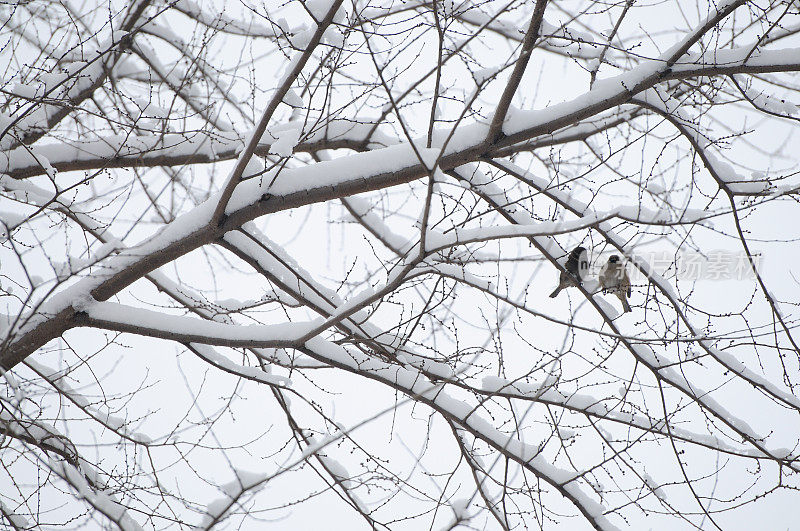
614,279
574,270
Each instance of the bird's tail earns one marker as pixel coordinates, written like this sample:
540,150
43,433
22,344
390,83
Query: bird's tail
625,306
555,293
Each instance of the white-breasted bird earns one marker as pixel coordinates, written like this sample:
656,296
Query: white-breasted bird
614,279
576,267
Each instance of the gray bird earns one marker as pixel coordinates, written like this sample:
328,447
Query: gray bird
575,269
614,279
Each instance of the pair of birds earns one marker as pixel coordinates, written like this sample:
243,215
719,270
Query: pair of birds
613,276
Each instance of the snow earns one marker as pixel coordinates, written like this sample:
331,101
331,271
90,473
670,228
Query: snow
731,58
112,245
26,156
333,36
437,396
14,386
723,170
460,507
103,502
285,141
38,431
292,99
437,240
194,219
332,306
16,520
554,38
75,66
594,406
301,36
120,316
413,383
594,509
55,379
770,103
429,157
464,137
337,469
244,482
249,480
460,515
485,74
11,220
749,187
28,91
566,433
116,146
607,307
341,474
677,379
222,21
83,302
603,95
198,146
494,383
365,211
732,363
149,108
254,167
655,187
651,483
540,183
252,373
318,8
457,272
140,438
648,356
215,510
609,92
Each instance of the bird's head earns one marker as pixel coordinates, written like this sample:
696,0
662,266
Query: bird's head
613,259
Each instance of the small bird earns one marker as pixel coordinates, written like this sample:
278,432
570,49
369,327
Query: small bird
614,279
575,268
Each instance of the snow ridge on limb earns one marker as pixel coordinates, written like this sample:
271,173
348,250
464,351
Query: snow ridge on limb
202,147
123,318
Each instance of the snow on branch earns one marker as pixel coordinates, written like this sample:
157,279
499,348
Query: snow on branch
230,231
123,318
